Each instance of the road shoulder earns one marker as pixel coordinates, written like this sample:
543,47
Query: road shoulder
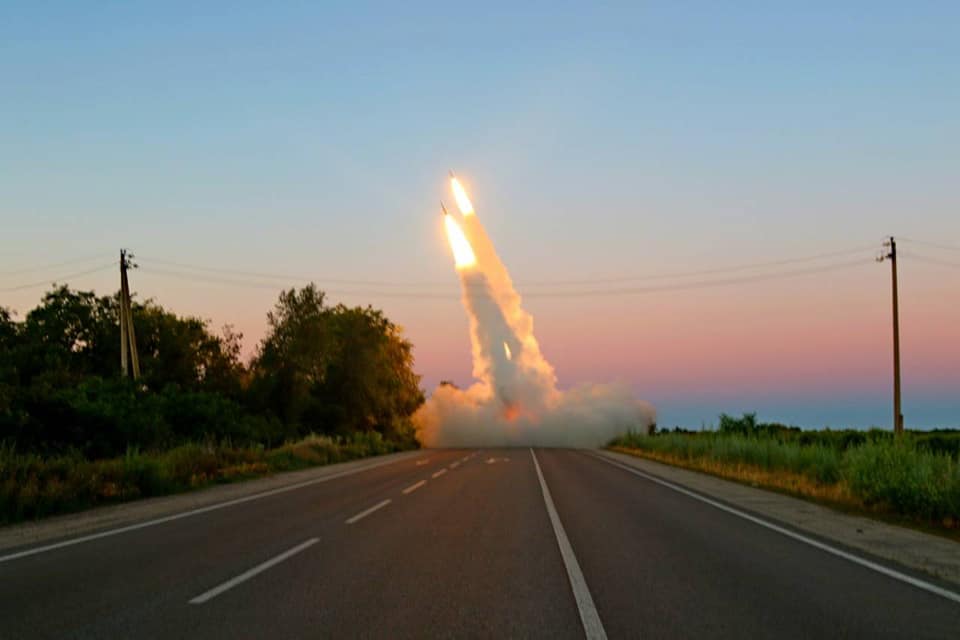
930,554
84,522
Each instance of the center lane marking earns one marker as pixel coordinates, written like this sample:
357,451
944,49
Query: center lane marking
454,465
414,487
592,626
260,568
439,473
364,514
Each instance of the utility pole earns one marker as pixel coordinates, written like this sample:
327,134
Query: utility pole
892,257
128,339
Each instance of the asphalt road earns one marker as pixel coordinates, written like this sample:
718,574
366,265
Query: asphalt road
462,544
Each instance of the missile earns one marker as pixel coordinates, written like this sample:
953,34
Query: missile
444,208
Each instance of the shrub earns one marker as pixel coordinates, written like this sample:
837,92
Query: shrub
905,478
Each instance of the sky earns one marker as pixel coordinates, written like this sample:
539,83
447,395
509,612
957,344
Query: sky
598,141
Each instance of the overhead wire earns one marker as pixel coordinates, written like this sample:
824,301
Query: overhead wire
528,283
47,281
929,260
54,265
287,276
581,293
935,245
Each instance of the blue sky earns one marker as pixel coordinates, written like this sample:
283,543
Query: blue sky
314,138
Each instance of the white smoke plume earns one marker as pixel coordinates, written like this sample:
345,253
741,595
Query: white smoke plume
514,400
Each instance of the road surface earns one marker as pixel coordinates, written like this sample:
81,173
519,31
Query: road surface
462,543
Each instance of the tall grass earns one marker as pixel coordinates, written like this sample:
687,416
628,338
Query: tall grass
892,475
32,486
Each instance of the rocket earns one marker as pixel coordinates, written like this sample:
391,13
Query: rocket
444,208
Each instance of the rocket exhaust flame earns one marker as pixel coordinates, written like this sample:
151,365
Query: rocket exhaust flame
463,255
460,194
515,400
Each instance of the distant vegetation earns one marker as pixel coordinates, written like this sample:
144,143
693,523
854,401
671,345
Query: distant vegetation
33,486
916,476
198,413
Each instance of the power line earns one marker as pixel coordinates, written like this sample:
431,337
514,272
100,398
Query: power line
528,283
49,281
702,284
916,256
53,265
935,245
288,276
583,293
705,272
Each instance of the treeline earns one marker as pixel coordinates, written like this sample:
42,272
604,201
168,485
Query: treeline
331,370
915,476
945,441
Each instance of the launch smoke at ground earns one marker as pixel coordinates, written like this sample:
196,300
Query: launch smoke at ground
514,400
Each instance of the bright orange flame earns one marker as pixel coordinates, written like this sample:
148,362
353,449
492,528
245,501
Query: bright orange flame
463,254
506,350
466,207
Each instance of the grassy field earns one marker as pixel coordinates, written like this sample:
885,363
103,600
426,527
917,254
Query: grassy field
914,477
32,486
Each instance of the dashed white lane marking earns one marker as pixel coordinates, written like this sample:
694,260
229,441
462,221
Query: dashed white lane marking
592,626
420,463
439,473
464,458
414,487
364,514
260,568
192,512
863,562
454,465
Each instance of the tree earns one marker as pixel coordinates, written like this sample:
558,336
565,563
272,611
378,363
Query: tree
293,357
8,370
370,374
335,370
182,351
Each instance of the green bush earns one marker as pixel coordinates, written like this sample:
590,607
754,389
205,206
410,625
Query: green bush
917,475
904,477
33,486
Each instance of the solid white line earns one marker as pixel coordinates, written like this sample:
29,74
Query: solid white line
863,562
246,575
592,626
414,487
439,473
454,465
364,514
192,512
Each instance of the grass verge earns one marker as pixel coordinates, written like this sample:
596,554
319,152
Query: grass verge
33,487
893,479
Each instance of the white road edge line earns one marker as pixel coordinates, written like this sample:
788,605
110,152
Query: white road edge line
439,473
364,514
863,562
246,575
592,626
414,487
192,512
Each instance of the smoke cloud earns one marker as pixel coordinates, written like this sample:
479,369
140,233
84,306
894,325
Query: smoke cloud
514,400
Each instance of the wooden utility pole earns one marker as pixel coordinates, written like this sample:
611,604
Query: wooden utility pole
128,339
892,257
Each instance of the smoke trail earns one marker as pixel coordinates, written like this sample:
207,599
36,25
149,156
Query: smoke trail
515,400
